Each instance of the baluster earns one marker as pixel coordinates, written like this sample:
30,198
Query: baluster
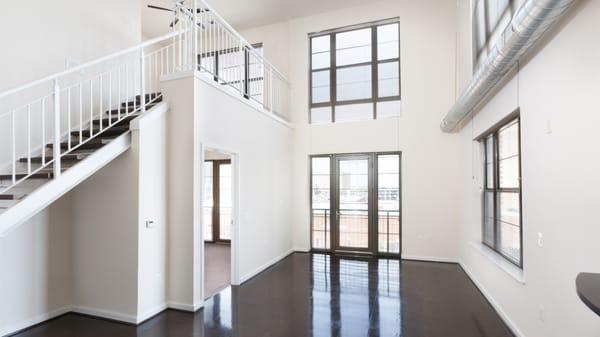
69,117
80,113
28,139
56,148
101,101
142,82
91,108
14,147
110,93
43,131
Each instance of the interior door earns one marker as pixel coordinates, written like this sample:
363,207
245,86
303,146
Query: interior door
353,204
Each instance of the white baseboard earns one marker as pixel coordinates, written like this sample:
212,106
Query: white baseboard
185,306
151,313
429,258
265,266
34,320
511,325
108,314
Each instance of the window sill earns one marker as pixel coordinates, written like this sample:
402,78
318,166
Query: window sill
501,262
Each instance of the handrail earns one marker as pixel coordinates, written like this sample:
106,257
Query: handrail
90,63
242,39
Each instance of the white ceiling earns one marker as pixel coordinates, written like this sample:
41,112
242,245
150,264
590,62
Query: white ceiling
243,14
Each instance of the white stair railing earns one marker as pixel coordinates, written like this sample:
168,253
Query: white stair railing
90,97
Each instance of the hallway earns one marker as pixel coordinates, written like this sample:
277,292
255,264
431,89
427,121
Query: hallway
321,295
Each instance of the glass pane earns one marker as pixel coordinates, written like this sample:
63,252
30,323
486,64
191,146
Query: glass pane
225,201
509,172
321,60
508,206
354,112
354,83
353,47
488,218
389,79
489,159
320,170
321,44
320,86
354,203
388,199
320,115
388,109
508,141
208,200
508,156
488,210
509,240
388,44
479,25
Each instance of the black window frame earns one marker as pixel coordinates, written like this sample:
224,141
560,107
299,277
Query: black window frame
496,189
489,28
333,67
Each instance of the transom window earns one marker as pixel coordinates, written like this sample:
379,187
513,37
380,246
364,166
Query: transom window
502,228
355,73
490,18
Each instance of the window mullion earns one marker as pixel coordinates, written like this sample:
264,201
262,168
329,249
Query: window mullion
496,188
374,70
332,77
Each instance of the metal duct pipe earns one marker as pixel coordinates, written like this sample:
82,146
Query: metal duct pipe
526,28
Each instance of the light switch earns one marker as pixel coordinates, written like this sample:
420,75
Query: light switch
149,224
540,239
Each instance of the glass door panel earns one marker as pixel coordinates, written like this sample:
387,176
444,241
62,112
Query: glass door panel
352,214
208,201
225,202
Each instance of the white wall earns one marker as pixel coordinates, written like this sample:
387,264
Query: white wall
557,93
263,148
202,115
38,37
429,165
35,260
149,141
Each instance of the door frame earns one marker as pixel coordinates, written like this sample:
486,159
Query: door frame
235,213
216,190
335,204
373,194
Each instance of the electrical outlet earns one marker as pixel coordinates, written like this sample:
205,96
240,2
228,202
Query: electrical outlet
540,239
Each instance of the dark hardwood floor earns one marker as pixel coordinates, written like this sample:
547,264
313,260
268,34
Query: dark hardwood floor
321,296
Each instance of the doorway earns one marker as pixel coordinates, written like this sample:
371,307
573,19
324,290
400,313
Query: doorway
356,203
217,221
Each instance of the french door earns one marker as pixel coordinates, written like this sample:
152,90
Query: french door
355,203
217,201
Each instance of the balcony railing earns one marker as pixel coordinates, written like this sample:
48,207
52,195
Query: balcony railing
354,229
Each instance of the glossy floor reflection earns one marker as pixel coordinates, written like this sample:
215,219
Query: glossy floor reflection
322,296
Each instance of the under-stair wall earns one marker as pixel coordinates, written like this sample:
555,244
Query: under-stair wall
35,259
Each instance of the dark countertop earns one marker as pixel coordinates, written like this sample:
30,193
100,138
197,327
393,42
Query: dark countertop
588,289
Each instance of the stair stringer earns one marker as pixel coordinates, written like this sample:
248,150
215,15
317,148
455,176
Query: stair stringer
46,194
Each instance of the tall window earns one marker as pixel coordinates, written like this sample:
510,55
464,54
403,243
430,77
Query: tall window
490,18
502,230
355,73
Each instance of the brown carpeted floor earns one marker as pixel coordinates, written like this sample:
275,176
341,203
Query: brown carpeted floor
217,268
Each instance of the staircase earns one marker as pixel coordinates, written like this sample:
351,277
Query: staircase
58,130
75,148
